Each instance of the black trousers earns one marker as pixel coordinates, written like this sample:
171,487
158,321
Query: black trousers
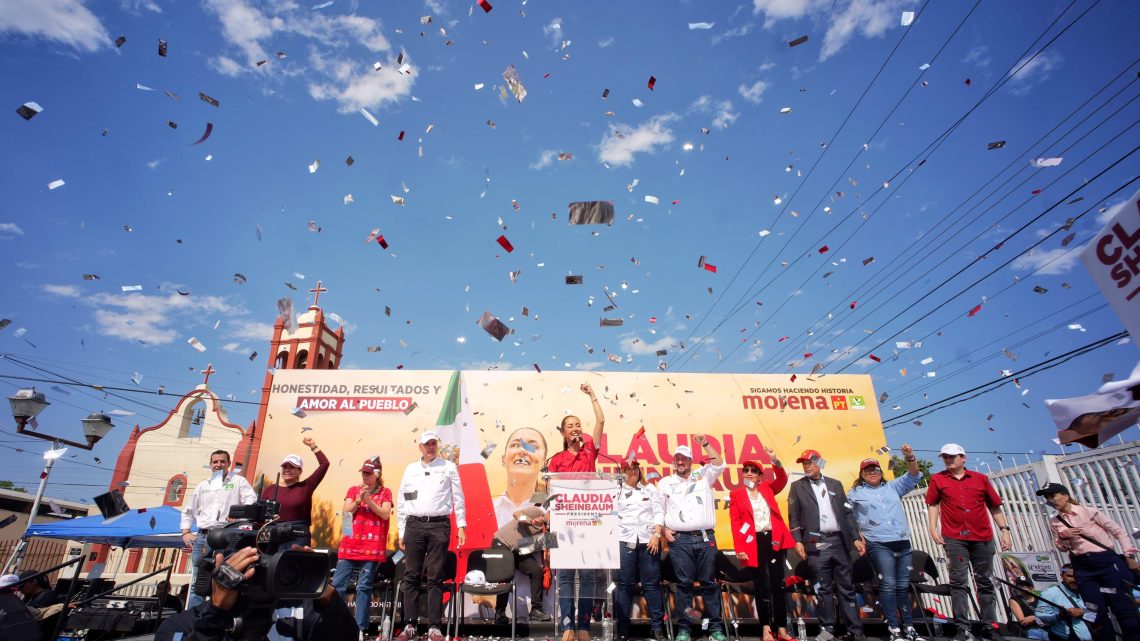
832,567
768,582
425,550
530,565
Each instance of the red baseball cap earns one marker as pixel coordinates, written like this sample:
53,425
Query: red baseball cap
371,465
808,455
752,463
869,462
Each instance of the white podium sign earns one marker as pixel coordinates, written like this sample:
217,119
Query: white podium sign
583,518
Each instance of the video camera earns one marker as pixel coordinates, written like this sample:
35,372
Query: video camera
278,573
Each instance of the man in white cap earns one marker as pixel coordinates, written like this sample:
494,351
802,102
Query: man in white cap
209,508
958,500
686,497
428,493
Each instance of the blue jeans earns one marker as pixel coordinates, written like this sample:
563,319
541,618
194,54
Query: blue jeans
638,564
586,581
343,570
197,551
892,561
694,559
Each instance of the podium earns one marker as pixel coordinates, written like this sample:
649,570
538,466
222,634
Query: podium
584,520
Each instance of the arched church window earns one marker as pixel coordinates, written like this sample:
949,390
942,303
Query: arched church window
175,490
302,359
282,360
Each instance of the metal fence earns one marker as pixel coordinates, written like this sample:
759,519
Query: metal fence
1106,479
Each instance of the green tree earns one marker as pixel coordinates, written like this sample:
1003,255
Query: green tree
898,466
8,485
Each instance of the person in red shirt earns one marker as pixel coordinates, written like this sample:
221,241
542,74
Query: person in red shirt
961,502
295,495
579,454
761,538
369,506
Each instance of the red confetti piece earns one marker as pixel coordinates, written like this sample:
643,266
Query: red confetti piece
793,378
876,358
807,354
537,368
506,244
782,339
967,82
652,319
853,304
545,75
652,81
676,202
383,243
486,6
823,250
974,312
709,267
401,136
1035,192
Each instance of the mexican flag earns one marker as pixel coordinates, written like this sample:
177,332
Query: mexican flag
456,428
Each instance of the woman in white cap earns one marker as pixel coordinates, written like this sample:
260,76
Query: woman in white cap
295,495
879,512
1103,577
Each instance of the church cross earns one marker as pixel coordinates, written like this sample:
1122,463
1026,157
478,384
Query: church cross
209,370
316,292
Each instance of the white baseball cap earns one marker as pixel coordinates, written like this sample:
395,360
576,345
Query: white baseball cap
428,436
8,580
952,449
683,450
475,577
292,459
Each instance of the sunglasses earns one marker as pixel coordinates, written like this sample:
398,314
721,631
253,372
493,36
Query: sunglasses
750,469
873,470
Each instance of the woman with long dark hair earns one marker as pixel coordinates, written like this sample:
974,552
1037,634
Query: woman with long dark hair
641,520
579,454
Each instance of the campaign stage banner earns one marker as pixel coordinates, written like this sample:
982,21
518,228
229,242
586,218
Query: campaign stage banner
502,428
1113,261
1039,567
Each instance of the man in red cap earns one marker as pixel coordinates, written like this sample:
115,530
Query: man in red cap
824,528
367,509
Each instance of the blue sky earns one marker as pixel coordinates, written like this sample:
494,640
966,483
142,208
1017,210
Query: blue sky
732,174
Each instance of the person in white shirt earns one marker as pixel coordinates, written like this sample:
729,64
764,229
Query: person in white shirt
641,520
428,493
209,508
686,498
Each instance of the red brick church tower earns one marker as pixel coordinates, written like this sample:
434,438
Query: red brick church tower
310,344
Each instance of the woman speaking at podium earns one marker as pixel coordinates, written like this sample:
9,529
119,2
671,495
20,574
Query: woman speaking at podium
579,454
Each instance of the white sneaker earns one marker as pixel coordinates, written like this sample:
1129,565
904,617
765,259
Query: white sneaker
407,634
911,634
434,634
895,634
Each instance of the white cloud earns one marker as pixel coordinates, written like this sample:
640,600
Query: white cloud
1102,218
871,18
64,21
753,93
767,66
620,145
736,32
233,347
780,9
589,366
11,228
1036,71
436,7
227,66
978,56
153,164
606,42
138,6
70,291
632,344
721,111
356,87
245,27
545,159
754,354
553,31
1049,262
250,330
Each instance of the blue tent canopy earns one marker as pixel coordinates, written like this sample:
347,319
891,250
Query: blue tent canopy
156,527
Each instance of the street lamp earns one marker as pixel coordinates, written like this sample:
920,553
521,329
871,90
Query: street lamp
26,404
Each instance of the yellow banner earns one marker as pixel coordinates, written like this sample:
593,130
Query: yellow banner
357,414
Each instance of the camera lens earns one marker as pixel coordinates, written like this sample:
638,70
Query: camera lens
289,576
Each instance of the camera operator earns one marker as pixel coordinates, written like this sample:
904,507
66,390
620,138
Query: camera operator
296,495
326,618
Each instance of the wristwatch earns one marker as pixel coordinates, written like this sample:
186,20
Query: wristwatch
228,577
1004,527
